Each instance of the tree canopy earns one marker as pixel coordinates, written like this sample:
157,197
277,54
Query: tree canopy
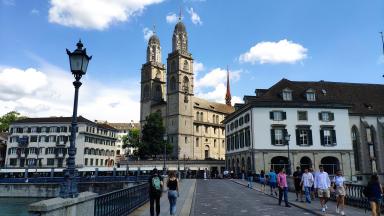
7,119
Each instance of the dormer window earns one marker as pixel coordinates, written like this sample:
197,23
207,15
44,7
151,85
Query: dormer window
310,94
287,95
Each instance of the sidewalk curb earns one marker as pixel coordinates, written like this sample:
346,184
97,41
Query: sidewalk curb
187,206
293,204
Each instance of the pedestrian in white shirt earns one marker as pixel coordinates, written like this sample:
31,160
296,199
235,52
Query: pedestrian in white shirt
323,185
307,182
338,183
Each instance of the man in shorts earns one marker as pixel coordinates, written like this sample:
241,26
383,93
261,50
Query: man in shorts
272,181
323,186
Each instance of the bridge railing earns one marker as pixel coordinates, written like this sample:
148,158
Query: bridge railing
121,202
79,179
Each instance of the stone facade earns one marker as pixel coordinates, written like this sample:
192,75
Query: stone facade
44,142
193,125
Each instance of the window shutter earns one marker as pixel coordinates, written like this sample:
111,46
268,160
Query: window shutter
297,137
333,134
320,116
46,151
273,136
310,141
284,115
271,116
331,116
322,137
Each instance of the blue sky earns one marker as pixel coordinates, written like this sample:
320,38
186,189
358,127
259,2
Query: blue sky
261,42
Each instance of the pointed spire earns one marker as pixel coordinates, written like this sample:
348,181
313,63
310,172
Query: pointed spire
228,94
180,15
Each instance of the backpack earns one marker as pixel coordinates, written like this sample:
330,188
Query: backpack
156,183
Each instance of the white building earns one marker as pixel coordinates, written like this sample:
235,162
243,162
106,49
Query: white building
123,129
317,121
44,142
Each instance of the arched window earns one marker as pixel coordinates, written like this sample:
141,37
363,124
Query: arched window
305,163
158,92
173,83
186,65
146,92
201,116
185,84
330,164
355,145
279,162
197,116
217,119
173,66
213,118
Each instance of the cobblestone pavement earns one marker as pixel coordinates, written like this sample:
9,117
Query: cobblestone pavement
223,197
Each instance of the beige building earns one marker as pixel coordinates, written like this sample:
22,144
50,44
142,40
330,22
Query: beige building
193,125
123,129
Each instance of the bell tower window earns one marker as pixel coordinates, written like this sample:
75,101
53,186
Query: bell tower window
186,84
186,66
173,83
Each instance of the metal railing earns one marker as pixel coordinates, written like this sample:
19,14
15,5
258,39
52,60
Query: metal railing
79,179
122,202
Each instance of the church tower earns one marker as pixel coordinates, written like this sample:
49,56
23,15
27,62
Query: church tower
180,94
153,88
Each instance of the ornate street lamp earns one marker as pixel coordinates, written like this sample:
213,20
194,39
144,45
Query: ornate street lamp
78,60
287,138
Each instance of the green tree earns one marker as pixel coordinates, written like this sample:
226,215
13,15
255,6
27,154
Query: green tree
132,140
152,136
7,119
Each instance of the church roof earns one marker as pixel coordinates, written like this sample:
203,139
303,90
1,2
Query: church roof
180,27
212,106
154,39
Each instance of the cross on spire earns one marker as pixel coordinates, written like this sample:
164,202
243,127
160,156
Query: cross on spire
154,28
228,94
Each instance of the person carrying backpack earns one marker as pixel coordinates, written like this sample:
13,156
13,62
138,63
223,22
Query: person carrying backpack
373,192
155,191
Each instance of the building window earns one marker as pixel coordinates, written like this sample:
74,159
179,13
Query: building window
326,116
236,123
247,137
217,120
237,141
287,94
33,139
13,161
277,115
222,144
197,128
311,96
214,143
186,140
206,129
302,115
97,162
241,139
186,65
197,142
241,121
303,136
86,161
91,162
50,161
185,84
232,126
277,136
232,142
328,136
246,118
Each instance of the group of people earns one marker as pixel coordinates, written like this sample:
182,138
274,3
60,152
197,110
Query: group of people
308,183
156,187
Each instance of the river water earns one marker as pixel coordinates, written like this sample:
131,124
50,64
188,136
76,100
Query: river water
16,206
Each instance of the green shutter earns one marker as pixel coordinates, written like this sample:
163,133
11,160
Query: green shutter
320,116
310,141
331,116
284,115
297,137
322,137
273,136
271,115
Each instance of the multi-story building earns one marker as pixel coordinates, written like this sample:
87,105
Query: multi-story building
193,125
123,129
3,148
339,125
44,142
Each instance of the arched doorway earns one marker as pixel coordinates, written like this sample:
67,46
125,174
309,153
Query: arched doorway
279,162
206,152
330,164
305,163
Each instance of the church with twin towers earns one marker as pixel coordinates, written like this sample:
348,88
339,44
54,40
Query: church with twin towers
193,125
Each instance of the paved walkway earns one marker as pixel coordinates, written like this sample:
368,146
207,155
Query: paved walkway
314,207
183,205
218,197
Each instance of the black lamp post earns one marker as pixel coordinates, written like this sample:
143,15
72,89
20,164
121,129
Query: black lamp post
78,60
165,138
287,138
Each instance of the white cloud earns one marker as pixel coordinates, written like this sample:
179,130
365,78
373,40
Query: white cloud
35,11
195,18
212,86
95,14
171,18
197,68
283,51
147,33
49,92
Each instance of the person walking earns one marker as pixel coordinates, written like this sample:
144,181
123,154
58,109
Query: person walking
155,191
250,179
322,185
339,186
262,180
297,179
173,192
283,187
307,182
272,181
374,192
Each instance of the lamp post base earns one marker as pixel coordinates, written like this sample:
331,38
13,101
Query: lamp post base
68,188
